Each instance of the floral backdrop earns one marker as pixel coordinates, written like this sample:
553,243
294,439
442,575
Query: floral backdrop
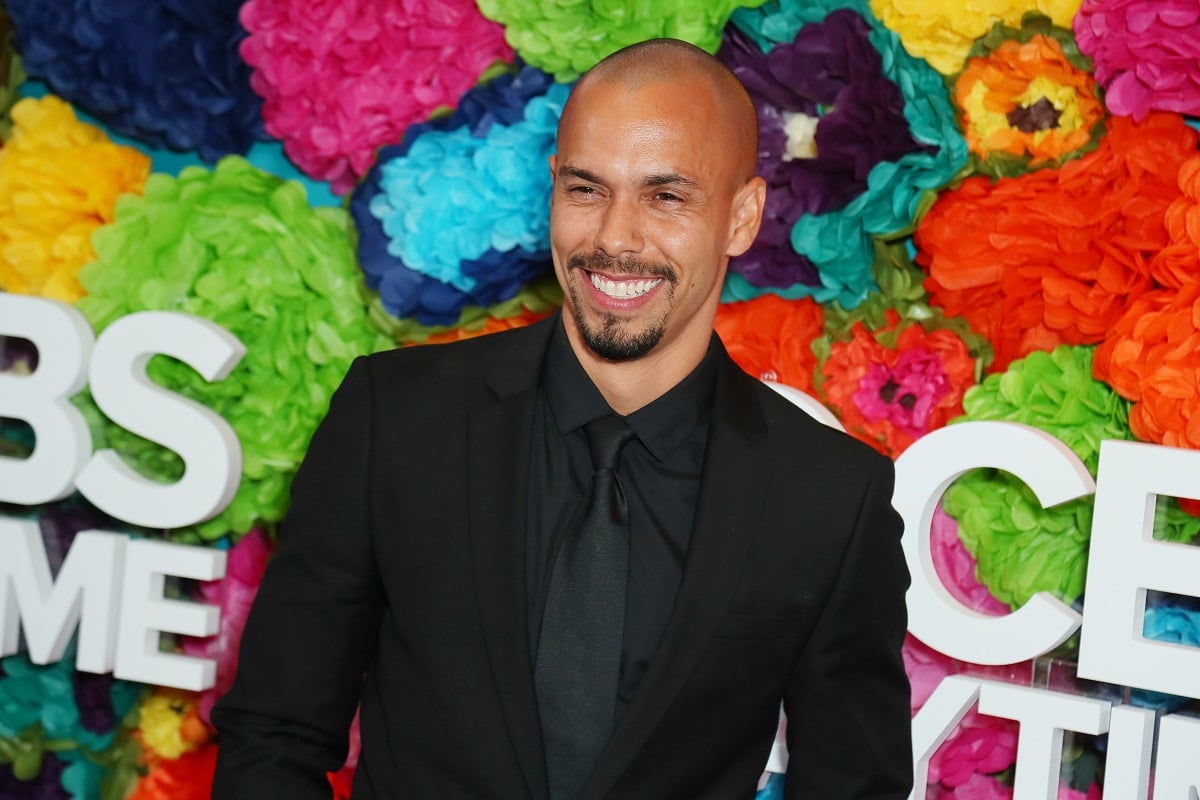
984,211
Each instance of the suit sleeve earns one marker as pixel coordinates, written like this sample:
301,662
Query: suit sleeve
312,629
849,727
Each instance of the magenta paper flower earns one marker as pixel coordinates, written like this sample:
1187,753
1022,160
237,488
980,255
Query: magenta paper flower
1146,53
979,787
956,567
234,594
339,79
918,374
980,745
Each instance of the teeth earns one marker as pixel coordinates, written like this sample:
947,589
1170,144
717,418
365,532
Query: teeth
623,290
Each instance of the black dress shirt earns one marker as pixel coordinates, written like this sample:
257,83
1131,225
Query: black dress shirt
659,472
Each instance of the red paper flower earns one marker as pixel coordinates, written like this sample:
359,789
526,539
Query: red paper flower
889,396
189,777
771,338
1058,255
488,325
1179,262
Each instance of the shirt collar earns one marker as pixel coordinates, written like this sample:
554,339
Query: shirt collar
661,425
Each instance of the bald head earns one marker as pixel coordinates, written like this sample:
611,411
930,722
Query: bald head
697,74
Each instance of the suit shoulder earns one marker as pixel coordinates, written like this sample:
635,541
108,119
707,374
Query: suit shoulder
464,359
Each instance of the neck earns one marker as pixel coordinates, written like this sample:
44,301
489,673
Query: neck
628,385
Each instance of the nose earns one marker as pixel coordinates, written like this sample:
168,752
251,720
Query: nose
619,232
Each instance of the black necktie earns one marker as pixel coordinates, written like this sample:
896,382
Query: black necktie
579,652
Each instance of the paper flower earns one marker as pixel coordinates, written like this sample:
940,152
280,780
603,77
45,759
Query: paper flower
166,73
486,326
1179,262
1021,547
169,725
1173,623
925,668
1027,100
566,39
892,386
978,787
189,777
246,562
839,243
827,115
1058,255
243,249
12,75
979,745
338,80
1152,357
59,181
771,338
465,212
956,567
1146,53
45,785
942,34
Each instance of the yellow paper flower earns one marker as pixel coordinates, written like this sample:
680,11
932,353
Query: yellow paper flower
169,725
59,181
942,31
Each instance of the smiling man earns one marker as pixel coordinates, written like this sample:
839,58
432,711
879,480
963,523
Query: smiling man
589,558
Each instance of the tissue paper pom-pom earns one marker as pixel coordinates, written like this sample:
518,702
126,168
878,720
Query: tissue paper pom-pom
827,115
1022,548
771,338
1152,357
1057,256
340,79
892,386
45,784
189,777
488,325
978,787
246,562
1179,262
59,181
956,566
1146,53
979,745
839,243
166,73
1169,622
243,249
1024,101
472,211
169,726
567,39
943,33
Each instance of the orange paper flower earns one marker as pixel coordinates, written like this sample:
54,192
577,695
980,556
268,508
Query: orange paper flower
189,777
1026,99
1179,262
889,396
59,181
489,325
771,338
1057,256
1152,357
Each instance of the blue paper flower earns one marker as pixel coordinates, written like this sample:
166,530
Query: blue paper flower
839,242
166,73
444,218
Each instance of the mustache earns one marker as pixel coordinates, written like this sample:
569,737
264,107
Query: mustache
602,262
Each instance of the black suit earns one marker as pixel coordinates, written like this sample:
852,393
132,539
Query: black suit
403,560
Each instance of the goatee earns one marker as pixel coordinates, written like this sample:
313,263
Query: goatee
609,339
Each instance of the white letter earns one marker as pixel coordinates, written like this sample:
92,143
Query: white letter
208,446
1127,765
1043,716
808,404
145,613
84,594
1125,561
1177,772
64,342
923,472
933,724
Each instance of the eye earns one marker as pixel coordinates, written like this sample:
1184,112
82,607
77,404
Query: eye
668,197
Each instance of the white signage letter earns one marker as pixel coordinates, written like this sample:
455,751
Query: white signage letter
208,446
1177,772
934,723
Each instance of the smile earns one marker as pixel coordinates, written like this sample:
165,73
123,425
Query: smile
623,290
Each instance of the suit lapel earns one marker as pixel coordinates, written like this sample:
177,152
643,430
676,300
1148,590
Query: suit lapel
731,490
498,443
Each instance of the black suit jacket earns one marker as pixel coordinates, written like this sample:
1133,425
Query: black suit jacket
400,576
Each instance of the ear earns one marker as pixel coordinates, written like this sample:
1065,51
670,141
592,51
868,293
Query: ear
553,160
746,215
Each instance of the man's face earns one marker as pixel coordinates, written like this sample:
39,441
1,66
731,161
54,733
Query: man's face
646,209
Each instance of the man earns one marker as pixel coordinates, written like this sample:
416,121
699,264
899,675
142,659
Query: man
439,509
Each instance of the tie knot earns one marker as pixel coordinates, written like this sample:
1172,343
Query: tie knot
606,436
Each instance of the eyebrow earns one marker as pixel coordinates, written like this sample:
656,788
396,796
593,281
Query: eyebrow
659,179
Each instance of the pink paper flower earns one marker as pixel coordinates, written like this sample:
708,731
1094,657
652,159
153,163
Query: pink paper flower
925,668
234,594
956,567
1146,53
979,787
980,745
340,78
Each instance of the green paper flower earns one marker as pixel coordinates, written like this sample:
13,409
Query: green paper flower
566,39
242,248
1022,548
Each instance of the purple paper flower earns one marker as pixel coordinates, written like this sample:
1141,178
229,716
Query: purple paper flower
1146,53
93,696
827,115
46,785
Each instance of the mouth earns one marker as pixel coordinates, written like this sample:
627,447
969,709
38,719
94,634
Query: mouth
622,289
